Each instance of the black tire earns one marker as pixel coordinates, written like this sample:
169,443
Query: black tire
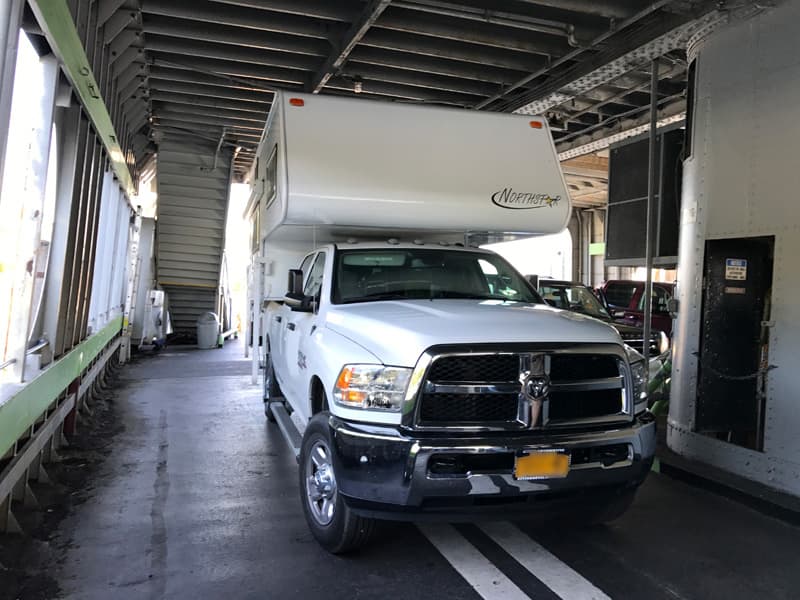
271,390
334,525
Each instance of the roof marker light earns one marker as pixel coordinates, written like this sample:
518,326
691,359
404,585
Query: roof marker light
297,102
536,124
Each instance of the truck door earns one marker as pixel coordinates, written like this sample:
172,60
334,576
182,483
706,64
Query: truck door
276,329
298,330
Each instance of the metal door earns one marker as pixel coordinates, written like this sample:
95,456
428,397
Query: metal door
733,347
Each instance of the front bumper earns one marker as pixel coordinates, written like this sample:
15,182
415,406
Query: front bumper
389,472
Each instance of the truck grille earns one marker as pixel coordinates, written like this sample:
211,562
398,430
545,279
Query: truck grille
477,367
472,408
484,390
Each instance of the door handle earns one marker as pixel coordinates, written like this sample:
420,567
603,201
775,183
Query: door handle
290,326
278,319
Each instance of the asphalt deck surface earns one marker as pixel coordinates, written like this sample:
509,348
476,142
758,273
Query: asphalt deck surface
198,498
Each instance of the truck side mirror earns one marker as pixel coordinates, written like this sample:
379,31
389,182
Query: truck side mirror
295,286
295,299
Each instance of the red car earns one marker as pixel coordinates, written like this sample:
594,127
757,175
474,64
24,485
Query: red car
625,301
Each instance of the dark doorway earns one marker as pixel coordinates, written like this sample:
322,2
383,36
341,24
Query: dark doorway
737,283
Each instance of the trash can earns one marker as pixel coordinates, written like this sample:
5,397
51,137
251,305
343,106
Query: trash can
207,330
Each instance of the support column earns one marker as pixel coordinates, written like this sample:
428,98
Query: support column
10,23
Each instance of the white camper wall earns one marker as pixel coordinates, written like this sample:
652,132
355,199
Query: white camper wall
371,164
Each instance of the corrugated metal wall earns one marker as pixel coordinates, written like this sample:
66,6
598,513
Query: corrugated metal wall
190,232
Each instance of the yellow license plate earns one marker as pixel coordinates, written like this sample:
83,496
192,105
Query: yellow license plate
548,464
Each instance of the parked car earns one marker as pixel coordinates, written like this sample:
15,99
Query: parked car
570,295
624,300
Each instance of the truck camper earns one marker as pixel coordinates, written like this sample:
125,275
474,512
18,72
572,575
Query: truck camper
415,374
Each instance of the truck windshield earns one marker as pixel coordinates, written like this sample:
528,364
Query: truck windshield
425,273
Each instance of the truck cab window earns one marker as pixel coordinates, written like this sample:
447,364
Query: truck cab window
314,278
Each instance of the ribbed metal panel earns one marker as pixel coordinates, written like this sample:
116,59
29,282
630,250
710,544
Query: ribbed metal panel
192,205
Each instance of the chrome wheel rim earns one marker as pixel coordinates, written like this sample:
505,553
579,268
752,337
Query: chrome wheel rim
320,483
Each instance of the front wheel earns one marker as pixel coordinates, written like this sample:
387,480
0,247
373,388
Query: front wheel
334,525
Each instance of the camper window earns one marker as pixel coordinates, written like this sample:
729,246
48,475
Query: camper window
270,175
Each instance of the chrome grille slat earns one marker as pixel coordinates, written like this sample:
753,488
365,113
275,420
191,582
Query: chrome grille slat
472,388
588,385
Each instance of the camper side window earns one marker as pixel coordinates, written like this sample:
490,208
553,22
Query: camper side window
270,175
255,233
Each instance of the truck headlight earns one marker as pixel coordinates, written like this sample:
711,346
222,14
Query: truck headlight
372,387
639,376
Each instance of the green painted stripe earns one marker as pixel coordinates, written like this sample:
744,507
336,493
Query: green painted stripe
27,405
597,249
56,21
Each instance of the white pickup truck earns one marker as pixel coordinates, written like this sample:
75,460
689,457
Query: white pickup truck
427,377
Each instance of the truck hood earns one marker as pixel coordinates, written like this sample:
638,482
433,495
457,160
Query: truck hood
398,332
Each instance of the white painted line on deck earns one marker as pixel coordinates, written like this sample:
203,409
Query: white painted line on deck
473,566
556,575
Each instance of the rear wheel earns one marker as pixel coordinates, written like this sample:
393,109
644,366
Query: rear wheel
334,525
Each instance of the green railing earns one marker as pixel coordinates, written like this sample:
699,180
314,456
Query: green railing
24,408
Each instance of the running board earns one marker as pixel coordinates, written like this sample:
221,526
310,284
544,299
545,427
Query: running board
287,427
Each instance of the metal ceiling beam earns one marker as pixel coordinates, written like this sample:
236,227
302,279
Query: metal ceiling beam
159,43
419,78
347,42
106,9
602,8
238,36
124,40
485,34
576,53
258,110
181,71
494,16
664,34
117,23
190,117
261,20
599,138
620,97
529,9
132,72
126,59
431,64
341,10
59,29
200,121
188,82
231,68
424,45
242,118
162,89
212,134
412,93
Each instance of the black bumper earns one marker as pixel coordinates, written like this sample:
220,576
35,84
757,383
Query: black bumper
387,472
